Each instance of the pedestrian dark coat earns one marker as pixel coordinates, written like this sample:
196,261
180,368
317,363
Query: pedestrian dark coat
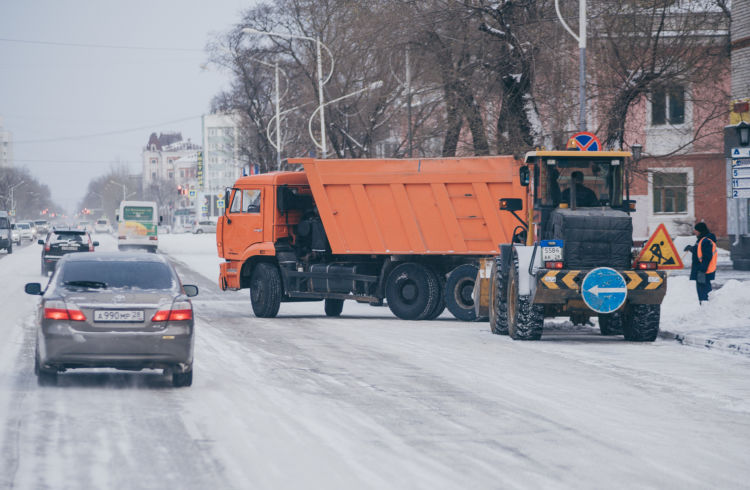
707,249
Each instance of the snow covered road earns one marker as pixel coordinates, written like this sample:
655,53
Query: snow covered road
369,401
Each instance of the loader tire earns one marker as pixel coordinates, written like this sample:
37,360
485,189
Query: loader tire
612,323
525,319
459,292
334,307
412,290
265,290
498,300
642,323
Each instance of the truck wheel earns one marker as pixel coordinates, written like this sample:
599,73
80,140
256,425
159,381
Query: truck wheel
439,301
411,291
525,320
334,307
612,323
459,291
265,290
642,323
498,300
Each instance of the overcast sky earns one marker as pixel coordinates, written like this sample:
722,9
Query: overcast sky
53,96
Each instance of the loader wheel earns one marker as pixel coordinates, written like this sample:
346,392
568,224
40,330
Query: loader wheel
612,323
498,300
265,290
459,292
411,290
440,300
642,323
334,307
525,320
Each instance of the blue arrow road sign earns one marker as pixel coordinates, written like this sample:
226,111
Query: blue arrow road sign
604,290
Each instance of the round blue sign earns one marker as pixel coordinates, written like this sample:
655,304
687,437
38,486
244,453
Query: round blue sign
604,290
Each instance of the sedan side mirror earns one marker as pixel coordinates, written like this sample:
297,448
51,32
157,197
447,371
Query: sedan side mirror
40,242
190,290
33,288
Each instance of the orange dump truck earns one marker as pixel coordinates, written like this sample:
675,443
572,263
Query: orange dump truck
408,231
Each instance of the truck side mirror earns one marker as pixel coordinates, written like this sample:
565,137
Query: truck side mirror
226,200
523,173
511,204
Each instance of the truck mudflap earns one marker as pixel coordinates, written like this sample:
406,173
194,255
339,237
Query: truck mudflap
559,286
229,275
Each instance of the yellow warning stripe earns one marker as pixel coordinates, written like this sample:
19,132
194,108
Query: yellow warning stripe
569,279
635,279
653,283
550,280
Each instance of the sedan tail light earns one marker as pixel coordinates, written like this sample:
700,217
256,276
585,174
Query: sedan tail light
181,310
58,310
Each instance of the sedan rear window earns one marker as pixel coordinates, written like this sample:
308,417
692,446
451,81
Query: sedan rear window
118,274
67,237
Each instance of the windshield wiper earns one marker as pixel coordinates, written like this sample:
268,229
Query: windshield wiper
86,284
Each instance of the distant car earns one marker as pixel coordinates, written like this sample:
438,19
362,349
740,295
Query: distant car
116,310
32,227
42,226
83,225
16,237
62,242
102,226
204,226
24,231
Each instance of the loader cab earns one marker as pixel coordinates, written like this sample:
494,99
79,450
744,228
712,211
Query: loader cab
576,180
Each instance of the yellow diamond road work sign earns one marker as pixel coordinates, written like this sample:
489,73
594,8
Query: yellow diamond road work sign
661,249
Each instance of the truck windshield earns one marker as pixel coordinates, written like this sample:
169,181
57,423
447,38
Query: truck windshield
596,182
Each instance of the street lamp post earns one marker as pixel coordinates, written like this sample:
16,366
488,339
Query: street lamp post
12,200
581,38
125,194
321,82
372,86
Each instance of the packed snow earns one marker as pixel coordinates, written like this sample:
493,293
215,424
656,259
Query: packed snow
370,401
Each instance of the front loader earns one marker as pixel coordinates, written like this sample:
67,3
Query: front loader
572,252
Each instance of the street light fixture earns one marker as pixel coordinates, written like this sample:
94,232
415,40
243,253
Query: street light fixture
321,82
372,86
13,201
125,194
743,133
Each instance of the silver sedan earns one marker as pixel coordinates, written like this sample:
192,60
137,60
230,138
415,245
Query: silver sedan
118,310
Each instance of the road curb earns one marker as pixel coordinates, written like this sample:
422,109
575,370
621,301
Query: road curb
735,346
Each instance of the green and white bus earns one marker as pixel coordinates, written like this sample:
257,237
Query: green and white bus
137,225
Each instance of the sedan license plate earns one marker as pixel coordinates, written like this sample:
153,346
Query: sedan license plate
551,253
118,316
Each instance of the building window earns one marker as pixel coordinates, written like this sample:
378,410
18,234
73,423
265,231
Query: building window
212,132
170,175
670,192
153,161
153,175
668,106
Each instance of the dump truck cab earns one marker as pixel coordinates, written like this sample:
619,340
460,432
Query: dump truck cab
572,253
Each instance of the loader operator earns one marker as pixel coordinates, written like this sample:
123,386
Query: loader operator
585,197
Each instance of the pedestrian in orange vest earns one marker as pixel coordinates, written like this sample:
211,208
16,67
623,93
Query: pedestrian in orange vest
703,268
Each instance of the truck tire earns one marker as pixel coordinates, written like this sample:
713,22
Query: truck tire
498,300
334,307
459,289
525,320
642,323
265,290
439,301
612,323
411,290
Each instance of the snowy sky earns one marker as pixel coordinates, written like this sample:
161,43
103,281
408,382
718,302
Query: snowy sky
53,95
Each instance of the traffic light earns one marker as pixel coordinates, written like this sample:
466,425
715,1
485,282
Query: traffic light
179,190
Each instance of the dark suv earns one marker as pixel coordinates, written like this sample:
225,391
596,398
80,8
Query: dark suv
61,242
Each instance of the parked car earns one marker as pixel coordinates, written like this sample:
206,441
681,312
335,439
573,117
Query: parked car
16,236
204,226
62,242
24,231
116,310
102,226
42,226
6,232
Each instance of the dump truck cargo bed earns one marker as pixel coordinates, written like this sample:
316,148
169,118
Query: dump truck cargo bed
417,206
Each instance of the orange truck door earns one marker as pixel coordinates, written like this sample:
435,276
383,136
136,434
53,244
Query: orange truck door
244,225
